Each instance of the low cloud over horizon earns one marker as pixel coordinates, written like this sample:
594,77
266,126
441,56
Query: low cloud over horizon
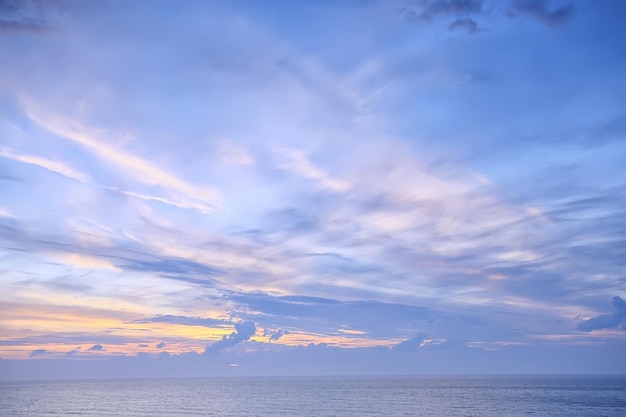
410,181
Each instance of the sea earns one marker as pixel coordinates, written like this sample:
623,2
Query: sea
320,397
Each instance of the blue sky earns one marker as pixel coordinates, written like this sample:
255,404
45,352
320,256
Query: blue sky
246,187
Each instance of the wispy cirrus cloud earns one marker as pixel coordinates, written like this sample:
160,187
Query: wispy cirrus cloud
188,321
140,169
50,165
350,190
296,162
180,203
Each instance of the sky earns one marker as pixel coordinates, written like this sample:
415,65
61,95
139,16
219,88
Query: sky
204,188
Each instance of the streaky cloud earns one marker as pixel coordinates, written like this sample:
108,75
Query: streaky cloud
204,197
169,266
344,185
296,161
169,201
50,165
187,321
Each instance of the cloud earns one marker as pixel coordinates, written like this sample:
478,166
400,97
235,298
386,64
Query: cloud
463,10
80,260
379,256
464,23
170,265
96,348
203,198
326,315
184,204
540,9
420,341
24,16
202,282
428,10
73,352
274,334
297,162
160,345
606,321
53,166
38,352
412,344
432,10
184,320
24,26
243,331
433,343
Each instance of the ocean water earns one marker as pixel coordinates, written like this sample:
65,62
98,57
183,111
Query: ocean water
320,397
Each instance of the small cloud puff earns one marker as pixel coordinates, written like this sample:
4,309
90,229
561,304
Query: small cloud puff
96,348
38,352
274,334
73,351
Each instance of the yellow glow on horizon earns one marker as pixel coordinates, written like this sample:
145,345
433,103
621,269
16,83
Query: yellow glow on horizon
98,326
82,351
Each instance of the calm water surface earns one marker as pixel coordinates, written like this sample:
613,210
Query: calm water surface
320,397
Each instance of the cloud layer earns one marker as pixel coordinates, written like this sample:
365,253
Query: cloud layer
432,177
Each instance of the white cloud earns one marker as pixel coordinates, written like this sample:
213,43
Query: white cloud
50,165
136,167
180,204
296,162
79,260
